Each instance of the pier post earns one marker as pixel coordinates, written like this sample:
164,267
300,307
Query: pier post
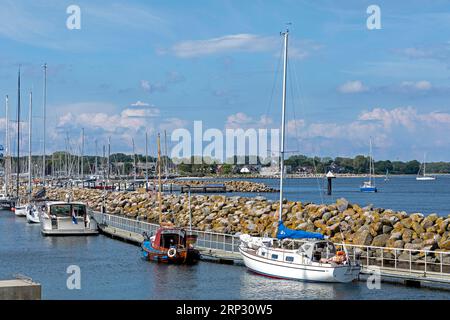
330,176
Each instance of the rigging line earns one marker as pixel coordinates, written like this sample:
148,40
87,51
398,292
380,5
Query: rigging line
298,85
277,72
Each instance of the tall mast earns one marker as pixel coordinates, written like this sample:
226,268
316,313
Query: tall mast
424,164
146,161
159,179
283,120
166,158
370,160
18,134
96,160
30,113
109,154
7,160
44,108
82,154
134,161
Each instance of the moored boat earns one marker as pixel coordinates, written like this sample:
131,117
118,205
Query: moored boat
170,245
295,254
32,214
66,218
302,258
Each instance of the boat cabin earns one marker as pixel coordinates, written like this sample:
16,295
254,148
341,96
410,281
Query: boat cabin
170,237
318,250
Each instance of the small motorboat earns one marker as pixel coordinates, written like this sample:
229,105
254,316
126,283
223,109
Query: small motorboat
32,214
170,244
20,210
66,219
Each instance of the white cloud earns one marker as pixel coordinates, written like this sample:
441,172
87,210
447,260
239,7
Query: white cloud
141,113
242,42
241,120
352,87
419,85
140,104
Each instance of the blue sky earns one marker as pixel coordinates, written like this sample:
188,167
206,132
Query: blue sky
159,65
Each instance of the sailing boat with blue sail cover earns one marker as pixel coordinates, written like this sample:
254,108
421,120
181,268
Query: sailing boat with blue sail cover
295,254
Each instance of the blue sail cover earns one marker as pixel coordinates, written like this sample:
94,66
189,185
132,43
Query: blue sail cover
285,233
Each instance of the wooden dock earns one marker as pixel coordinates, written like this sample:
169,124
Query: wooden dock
209,188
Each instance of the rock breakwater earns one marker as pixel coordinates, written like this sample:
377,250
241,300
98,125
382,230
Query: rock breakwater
341,221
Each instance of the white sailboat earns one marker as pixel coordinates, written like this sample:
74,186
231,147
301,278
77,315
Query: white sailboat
424,176
31,211
295,254
20,210
369,186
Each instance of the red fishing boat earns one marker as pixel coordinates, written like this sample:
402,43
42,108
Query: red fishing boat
170,245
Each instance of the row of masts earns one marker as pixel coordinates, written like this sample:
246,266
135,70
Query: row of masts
72,165
7,159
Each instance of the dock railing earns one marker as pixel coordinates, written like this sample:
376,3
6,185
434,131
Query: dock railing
205,239
424,263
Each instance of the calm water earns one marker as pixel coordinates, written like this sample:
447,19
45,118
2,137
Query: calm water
399,193
111,269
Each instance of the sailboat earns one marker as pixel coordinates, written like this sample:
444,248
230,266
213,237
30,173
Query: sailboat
369,186
295,254
424,176
31,211
386,177
20,210
170,244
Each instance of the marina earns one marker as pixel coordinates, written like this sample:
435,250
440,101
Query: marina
108,275
261,152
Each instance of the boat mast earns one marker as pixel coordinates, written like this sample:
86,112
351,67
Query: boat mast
134,163
30,113
7,160
283,115
44,111
146,161
424,164
82,156
18,134
370,160
166,158
159,179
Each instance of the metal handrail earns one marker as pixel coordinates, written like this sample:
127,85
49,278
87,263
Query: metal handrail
230,243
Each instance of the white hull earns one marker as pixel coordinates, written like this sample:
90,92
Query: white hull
33,217
425,178
20,211
65,226
314,272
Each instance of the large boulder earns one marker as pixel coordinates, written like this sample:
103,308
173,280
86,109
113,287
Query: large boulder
362,237
341,204
380,240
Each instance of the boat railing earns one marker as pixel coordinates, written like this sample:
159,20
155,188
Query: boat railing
412,261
